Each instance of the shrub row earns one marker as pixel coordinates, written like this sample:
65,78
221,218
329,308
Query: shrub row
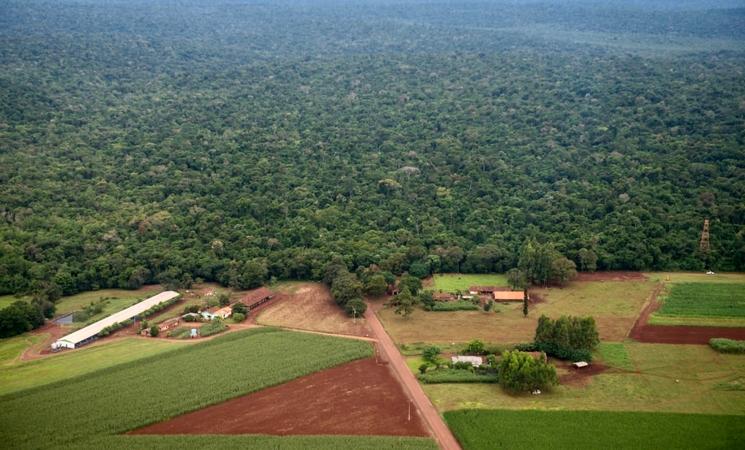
723,345
457,376
460,305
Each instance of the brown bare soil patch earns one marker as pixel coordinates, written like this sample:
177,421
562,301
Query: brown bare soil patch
310,307
581,376
358,398
610,276
677,334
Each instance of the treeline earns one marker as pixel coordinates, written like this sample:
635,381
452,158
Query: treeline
160,153
22,316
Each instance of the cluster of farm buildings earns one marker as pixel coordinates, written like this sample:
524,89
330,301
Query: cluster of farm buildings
251,300
484,294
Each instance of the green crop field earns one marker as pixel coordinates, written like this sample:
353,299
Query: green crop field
495,429
704,300
23,375
87,410
451,282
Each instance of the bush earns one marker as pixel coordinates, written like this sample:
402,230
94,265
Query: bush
457,376
191,318
191,309
223,299
462,365
355,307
520,372
423,368
475,347
239,308
431,354
568,354
214,327
570,338
154,331
460,305
723,345
238,317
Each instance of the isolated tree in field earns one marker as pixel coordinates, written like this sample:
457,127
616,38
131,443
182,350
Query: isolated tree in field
355,307
405,305
525,302
521,372
431,354
154,331
562,270
475,347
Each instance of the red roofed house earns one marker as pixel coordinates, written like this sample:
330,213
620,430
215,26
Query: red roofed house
508,296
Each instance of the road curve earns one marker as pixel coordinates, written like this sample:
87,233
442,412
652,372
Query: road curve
427,411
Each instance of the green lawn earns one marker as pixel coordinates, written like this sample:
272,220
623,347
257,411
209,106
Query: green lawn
451,282
696,277
704,300
499,429
117,300
24,375
12,348
6,300
648,377
89,410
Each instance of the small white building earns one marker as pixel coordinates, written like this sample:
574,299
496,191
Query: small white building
580,364
475,361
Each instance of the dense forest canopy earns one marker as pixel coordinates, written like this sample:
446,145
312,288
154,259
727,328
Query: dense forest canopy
238,140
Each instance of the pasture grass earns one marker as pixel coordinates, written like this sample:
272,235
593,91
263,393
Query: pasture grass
69,364
490,429
11,348
704,300
696,277
669,378
6,300
451,282
78,411
614,354
615,305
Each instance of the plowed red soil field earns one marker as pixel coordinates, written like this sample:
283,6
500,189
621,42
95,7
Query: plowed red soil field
677,334
358,398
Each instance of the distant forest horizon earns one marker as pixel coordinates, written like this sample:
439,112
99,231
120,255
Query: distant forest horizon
170,141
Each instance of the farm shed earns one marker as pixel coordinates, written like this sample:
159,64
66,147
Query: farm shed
475,361
224,312
486,290
89,333
257,297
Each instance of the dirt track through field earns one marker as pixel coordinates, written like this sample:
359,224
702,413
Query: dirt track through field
358,398
677,334
389,352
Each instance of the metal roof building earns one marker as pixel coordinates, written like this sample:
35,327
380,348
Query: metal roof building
86,334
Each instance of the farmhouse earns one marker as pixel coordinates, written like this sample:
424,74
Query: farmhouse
224,313
475,361
257,297
89,333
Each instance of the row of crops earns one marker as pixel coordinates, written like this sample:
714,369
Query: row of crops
705,299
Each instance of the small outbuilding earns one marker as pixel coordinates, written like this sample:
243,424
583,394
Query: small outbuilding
580,364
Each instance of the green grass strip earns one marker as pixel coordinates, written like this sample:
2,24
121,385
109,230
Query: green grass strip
499,429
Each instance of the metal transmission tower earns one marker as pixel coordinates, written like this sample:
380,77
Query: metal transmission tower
703,245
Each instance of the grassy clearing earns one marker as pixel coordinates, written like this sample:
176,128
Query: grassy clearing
110,401
665,378
704,300
615,306
489,429
28,374
12,348
695,277
116,300
259,442
614,354
6,300
455,376
458,305
451,282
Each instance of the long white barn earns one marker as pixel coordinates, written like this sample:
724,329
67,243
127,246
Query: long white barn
85,335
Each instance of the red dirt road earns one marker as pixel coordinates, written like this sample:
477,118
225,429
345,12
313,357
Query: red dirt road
358,398
389,352
677,334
